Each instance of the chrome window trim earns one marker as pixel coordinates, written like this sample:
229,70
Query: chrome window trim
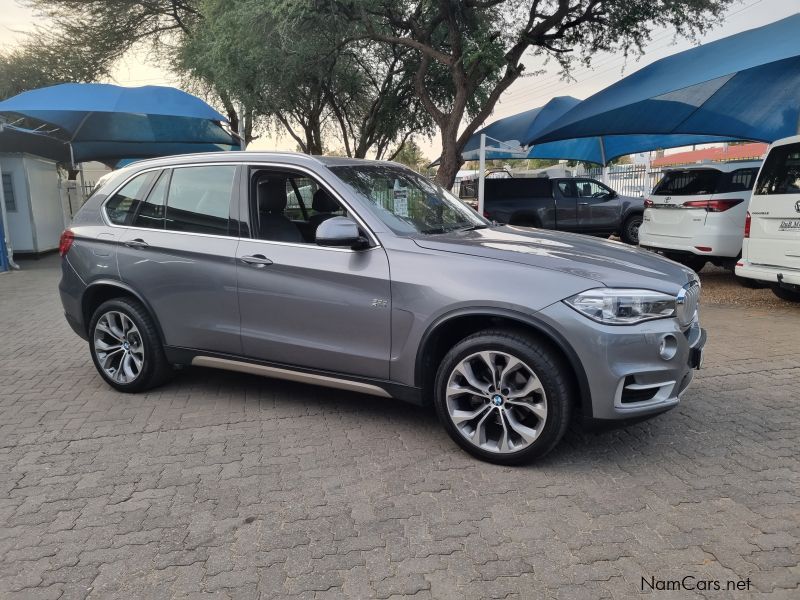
373,238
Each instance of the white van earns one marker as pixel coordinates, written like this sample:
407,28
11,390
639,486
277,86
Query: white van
771,250
695,214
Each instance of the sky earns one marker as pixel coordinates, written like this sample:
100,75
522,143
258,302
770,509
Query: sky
524,94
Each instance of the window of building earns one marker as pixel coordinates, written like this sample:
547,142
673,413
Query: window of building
8,193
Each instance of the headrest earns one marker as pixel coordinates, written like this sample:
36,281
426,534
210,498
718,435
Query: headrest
323,203
271,194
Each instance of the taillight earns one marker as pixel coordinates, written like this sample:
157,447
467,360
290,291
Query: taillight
65,243
713,205
747,225
648,203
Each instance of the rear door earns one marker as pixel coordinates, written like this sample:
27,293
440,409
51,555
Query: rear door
775,210
598,206
666,215
179,253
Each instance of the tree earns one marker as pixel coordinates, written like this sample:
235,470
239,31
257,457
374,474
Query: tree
468,52
283,60
44,60
411,155
106,30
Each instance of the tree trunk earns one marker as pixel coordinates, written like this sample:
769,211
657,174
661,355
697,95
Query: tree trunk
450,161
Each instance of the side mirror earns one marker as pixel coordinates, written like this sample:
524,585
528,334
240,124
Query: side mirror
612,194
340,232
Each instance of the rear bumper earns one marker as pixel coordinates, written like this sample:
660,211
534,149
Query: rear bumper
71,288
723,245
769,273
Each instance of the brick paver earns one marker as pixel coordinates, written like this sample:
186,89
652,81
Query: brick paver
228,486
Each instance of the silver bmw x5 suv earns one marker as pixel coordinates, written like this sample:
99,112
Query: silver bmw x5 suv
366,276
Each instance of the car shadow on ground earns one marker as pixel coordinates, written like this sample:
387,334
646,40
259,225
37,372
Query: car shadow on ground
578,447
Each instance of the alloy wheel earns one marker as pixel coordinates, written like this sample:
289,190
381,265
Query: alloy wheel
496,402
118,347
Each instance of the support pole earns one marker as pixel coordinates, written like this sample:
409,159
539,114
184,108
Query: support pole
604,175
481,172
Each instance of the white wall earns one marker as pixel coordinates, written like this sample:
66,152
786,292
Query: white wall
19,222
45,199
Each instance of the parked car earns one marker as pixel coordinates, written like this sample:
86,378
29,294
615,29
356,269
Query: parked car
580,205
388,285
771,250
696,214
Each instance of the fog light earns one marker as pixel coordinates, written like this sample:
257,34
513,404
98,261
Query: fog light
668,347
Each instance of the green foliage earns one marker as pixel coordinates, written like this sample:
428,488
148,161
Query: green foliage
45,61
411,155
468,53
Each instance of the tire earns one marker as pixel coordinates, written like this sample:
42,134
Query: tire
630,230
786,294
695,263
542,415
139,363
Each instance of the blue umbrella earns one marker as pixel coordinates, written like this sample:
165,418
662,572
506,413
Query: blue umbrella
505,138
744,86
106,122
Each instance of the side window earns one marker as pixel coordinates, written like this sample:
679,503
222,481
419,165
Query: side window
288,207
151,211
567,189
591,189
122,205
781,171
199,199
8,193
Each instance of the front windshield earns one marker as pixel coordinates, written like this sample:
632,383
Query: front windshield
408,203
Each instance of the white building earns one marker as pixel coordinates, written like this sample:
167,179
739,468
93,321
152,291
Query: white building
38,201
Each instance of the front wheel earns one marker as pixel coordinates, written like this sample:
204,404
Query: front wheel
503,397
786,294
630,230
125,346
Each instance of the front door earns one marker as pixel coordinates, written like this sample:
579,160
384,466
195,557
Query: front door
564,196
306,305
178,252
598,207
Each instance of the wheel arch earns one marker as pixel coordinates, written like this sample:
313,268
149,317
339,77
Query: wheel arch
452,327
106,289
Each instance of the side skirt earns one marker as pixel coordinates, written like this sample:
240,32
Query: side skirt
341,381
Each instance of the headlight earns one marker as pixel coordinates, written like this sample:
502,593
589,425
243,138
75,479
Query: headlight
623,307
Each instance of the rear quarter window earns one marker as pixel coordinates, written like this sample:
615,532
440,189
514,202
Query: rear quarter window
781,171
122,206
518,188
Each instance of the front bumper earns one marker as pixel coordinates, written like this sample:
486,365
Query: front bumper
627,376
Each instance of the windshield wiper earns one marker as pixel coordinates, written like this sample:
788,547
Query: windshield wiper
473,227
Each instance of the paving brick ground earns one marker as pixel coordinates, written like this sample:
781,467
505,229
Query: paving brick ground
222,485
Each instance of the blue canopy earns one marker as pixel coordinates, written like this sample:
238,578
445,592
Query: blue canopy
744,86
93,121
505,138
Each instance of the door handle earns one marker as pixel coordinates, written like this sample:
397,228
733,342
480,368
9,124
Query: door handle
583,204
137,243
257,260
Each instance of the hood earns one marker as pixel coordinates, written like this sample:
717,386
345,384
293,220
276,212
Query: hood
612,264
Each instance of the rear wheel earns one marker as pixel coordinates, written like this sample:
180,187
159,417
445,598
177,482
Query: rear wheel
695,263
503,397
791,295
125,346
630,230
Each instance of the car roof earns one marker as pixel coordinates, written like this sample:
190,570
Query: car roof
289,158
724,167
